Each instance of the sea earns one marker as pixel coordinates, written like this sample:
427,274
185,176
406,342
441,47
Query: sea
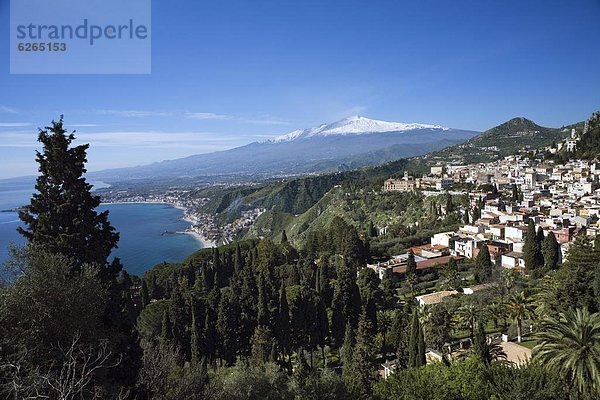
148,232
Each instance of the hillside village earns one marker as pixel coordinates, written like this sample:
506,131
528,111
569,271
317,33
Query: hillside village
562,199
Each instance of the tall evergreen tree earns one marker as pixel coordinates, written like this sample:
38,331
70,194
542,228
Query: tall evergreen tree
322,326
411,264
284,238
416,345
483,265
283,322
194,338
347,346
210,336
61,218
237,260
550,251
227,327
359,375
530,248
514,197
539,241
166,327
144,295
346,301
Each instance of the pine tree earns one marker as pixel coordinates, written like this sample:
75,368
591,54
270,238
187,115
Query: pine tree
61,217
284,238
550,251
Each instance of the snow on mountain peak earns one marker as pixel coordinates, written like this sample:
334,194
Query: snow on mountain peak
355,125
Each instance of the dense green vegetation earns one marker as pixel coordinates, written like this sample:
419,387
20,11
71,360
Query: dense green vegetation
292,316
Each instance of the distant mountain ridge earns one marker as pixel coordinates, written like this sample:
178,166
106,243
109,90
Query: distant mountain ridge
349,143
356,125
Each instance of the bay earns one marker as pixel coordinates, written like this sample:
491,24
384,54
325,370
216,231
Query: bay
147,235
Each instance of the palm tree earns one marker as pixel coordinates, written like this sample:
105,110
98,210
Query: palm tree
384,324
570,346
497,311
467,315
519,307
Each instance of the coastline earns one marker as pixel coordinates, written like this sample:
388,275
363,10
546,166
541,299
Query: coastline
204,241
206,244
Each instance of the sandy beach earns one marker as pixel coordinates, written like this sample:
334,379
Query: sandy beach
205,242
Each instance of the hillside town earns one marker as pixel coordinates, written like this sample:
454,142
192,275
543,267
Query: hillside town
560,198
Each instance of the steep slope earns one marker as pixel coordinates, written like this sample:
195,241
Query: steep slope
322,149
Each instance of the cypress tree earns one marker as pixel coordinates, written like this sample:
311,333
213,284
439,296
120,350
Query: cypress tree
323,326
421,360
166,327
483,265
283,321
400,336
61,216
550,251
539,240
530,249
216,267
347,347
416,344
411,264
237,260
210,337
515,194
480,346
194,339
228,327
359,375
145,297
264,311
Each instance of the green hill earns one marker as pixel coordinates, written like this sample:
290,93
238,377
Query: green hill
511,137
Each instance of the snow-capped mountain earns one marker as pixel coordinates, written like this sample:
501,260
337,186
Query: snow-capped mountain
355,125
350,143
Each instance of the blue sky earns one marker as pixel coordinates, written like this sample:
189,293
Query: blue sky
226,73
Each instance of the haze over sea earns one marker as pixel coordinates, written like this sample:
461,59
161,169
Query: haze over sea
147,230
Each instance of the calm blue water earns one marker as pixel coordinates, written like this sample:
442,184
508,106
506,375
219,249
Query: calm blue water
143,242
